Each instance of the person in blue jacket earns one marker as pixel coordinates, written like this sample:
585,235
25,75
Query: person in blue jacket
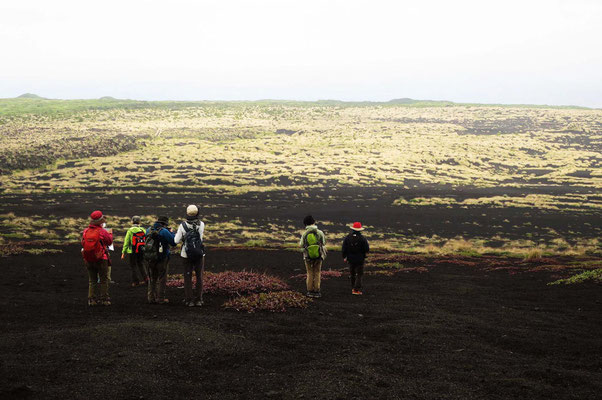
157,269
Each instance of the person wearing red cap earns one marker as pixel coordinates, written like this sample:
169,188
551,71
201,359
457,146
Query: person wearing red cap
95,240
355,247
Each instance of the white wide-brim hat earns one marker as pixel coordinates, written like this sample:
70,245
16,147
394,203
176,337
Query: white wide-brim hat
192,210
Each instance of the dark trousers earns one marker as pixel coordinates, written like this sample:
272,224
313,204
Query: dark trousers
137,266
196,266
356,271
157,273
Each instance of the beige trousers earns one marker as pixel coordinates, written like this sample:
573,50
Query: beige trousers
98,280
314,268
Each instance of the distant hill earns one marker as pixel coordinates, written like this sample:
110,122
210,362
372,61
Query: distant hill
407,100
107,98
403,100
30,96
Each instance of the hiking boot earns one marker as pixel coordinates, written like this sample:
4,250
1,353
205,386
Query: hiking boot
163,301
92,302
317,295
198,303
106,302
309,294
190,304
134,284
356,292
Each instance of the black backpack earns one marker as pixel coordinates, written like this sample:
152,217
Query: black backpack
355,243
152,245
192,240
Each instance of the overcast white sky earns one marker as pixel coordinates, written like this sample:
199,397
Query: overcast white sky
507,51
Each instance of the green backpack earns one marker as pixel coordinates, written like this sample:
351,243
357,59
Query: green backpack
312,245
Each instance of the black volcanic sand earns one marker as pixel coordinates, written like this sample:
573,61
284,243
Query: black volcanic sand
455,332
341,205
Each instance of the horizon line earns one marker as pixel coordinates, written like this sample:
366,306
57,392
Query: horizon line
394,101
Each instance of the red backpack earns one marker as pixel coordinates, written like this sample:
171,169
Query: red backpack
94,250
138,240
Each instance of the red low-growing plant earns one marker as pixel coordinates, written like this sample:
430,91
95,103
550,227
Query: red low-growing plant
233,283
457,261
273,302
324,275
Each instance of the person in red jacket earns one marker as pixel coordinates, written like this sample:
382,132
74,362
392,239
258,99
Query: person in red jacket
95,240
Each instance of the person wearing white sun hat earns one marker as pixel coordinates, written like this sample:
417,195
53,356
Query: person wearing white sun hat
190,232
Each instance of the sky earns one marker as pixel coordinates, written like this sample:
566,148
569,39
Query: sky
512,52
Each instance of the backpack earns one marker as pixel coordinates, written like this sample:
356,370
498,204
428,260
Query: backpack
152,246
312,245
94,250
193,242
355,243
138,240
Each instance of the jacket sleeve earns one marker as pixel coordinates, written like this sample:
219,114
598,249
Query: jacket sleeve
301,240
106,237
344,247
201,229
168,237
323,237
366,246
127,241
179,234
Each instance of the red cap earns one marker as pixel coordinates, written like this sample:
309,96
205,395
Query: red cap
96,215
357,225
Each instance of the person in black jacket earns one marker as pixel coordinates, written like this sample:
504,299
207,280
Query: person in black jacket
355,247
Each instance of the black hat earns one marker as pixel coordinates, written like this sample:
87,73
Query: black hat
309,220
163,220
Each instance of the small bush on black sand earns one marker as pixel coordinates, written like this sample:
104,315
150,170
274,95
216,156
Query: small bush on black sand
9,249
592,276
233,283
273,302
533,254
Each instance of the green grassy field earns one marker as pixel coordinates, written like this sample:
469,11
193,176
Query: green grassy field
481,157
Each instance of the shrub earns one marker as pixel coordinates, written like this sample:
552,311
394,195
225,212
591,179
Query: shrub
273,302
533,254
232,283
10,249
592,275
255,243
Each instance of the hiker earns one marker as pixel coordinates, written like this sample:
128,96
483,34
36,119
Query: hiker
133,246
313,243
110,248
190,232
95,240
355,247
156,254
